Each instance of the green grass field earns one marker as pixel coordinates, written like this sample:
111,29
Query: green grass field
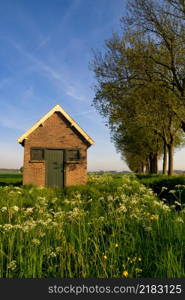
112,227
10,179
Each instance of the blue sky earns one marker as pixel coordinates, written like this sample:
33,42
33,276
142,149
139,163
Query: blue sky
46,47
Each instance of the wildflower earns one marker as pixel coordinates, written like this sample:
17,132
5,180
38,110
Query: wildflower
122,208
125,273
7,227
172,191
29,210
179,220
180,186
76,213
15,208
54,200
4,208
177,203
105,257
42,234
58,249
17,226
36,242
52,254
164,188
25,228
116,245
55,224
165,208
154,217
134,259
110,198
49,220
12,265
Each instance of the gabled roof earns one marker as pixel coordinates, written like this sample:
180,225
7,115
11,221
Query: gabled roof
56,108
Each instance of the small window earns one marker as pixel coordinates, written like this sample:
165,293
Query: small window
37,154
72,155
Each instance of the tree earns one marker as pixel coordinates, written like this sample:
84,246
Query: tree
162,24
129,96
139,147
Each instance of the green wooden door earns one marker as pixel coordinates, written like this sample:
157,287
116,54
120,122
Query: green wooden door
54,168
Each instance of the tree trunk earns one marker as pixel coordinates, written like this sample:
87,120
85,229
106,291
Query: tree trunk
142,167
165,152
183,126
155,163
150,164
153,158
170,159
147,170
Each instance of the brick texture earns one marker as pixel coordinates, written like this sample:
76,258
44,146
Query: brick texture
55,133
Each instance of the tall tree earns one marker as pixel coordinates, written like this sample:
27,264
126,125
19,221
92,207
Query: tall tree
129,95
163,25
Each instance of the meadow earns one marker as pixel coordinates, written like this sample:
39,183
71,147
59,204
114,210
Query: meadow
14,179
114,226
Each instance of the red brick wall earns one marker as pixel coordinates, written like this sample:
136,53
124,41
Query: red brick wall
55,133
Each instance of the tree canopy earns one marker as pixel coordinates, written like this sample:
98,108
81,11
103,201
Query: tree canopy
141,83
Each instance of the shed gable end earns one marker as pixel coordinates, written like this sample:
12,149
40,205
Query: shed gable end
56,132
67,118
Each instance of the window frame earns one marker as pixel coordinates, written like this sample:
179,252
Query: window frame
72,160
43,154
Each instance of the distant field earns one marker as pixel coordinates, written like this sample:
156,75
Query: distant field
10,179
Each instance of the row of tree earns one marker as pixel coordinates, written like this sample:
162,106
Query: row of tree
140,86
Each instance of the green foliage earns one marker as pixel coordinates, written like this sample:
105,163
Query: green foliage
112,227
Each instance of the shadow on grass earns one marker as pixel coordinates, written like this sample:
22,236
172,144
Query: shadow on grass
10,183
168,188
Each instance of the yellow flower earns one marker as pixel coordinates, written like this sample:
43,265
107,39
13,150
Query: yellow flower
125,273
116,245
105,257
154,217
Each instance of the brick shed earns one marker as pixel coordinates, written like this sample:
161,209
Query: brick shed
55,151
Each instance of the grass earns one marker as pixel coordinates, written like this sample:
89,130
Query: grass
14,179
112,227
170,189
